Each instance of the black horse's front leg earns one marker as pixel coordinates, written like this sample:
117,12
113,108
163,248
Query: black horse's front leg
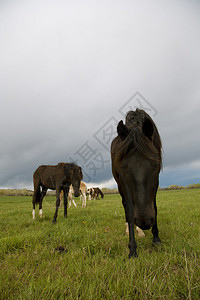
132,243
66,191
156,239
57,206
129,213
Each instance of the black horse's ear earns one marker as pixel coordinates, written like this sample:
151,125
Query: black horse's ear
147,128
122,130
80,171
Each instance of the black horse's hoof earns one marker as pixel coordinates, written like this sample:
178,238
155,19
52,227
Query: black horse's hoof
54,221
65,216
157,240
134,254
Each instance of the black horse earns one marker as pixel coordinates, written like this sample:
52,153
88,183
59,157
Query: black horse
58,178
136,162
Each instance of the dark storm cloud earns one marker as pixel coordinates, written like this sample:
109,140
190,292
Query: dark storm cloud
66,69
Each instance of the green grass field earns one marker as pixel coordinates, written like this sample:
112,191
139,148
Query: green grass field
94,263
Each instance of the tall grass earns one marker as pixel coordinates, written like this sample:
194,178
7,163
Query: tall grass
86,256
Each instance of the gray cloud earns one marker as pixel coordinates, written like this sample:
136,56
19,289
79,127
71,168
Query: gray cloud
67,67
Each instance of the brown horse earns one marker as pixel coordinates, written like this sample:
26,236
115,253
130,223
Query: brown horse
97,191
136,163
58,178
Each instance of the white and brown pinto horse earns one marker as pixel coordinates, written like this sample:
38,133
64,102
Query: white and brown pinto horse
90,193
93,193
83,191
70,197
139,231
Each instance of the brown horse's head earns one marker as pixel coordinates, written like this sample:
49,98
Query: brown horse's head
74,175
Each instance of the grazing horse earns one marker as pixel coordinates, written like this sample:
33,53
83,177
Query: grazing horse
93,193
58,178
90,193
136,162
83,189
97,191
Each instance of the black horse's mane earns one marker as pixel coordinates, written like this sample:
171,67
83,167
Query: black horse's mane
150,148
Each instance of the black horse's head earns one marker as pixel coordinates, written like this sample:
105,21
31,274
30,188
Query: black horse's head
139,163
74,175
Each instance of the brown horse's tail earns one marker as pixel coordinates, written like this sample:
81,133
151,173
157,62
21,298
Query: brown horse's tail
37,190
37,195
37,186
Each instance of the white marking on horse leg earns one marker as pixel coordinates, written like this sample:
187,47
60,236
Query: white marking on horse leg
40,213
74,203
70,203
61,198
33,214
84,200
127,230
140,232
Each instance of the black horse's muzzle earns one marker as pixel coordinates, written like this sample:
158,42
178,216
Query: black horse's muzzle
144,224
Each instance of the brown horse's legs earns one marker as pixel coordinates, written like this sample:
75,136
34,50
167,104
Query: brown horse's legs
33,212
66,191
57,206
36,197
43,193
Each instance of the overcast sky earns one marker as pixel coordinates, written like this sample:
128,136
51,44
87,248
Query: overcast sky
70,70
